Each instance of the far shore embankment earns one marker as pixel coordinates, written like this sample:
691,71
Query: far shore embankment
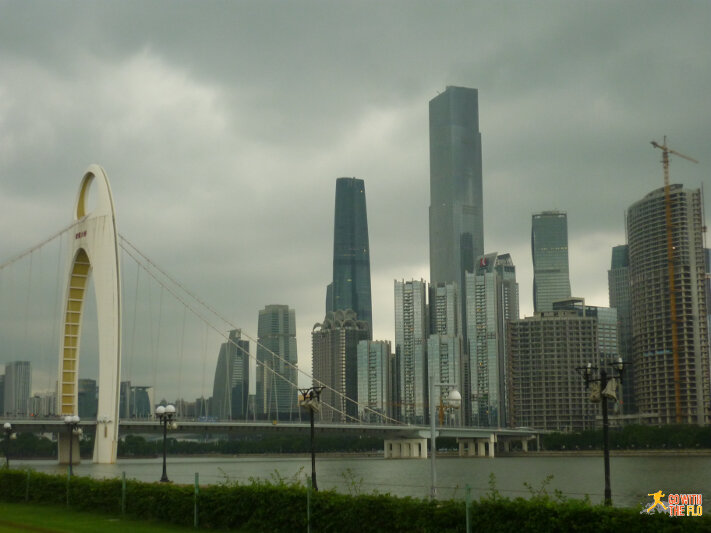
683,452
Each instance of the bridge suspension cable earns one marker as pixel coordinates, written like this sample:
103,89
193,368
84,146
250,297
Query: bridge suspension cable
37,246
135,253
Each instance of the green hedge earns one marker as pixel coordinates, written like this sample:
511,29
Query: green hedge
282,507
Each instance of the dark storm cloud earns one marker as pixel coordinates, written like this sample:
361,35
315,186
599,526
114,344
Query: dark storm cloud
222,127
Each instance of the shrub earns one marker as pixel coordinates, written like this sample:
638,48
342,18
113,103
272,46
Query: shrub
279,506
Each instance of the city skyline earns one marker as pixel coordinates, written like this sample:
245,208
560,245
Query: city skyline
233,156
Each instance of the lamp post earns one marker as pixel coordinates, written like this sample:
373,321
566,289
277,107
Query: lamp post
454,400
165,416
311,399
604,380
9,434
72,422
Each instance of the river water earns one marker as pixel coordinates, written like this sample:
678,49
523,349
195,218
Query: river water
632,478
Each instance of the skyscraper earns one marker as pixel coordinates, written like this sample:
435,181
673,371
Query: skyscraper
350,288
444,344
656,385
334,345
277,397
456,199
618,280
549,248
88,399
411,350
374,367
18,388
230,390
492,301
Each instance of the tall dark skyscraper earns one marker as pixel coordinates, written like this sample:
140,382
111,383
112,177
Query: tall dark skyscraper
549,248
456,199
350,288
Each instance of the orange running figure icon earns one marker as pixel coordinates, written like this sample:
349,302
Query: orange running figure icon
657,500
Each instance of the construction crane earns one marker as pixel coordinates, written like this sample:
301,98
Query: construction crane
670,260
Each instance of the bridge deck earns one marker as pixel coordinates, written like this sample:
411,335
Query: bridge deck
133,426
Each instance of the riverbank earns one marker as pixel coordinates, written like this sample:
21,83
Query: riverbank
682,452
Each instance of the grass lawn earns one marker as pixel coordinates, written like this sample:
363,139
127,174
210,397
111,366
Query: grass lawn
15,517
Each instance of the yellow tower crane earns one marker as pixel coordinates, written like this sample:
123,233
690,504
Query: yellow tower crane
670,260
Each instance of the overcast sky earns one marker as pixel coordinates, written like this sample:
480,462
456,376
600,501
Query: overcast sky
223,126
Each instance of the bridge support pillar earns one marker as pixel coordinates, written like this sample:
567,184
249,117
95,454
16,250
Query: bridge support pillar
492,445
481,447
63,449
467,447
405,449
524,445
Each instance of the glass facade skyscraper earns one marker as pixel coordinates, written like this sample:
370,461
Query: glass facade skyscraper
230,388
618,281
87,399
350,288
456,199
276,364
549,248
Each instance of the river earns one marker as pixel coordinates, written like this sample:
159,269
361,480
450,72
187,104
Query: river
632,477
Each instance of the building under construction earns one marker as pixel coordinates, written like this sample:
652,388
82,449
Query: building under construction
660,305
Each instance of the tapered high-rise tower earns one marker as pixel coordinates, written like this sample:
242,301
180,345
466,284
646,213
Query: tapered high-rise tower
350,288
456,200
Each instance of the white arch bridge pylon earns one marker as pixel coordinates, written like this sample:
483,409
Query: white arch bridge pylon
93,253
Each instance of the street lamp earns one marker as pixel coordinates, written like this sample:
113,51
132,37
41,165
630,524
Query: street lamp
311,399
602,396
165,416
454,400
9,434
72,422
